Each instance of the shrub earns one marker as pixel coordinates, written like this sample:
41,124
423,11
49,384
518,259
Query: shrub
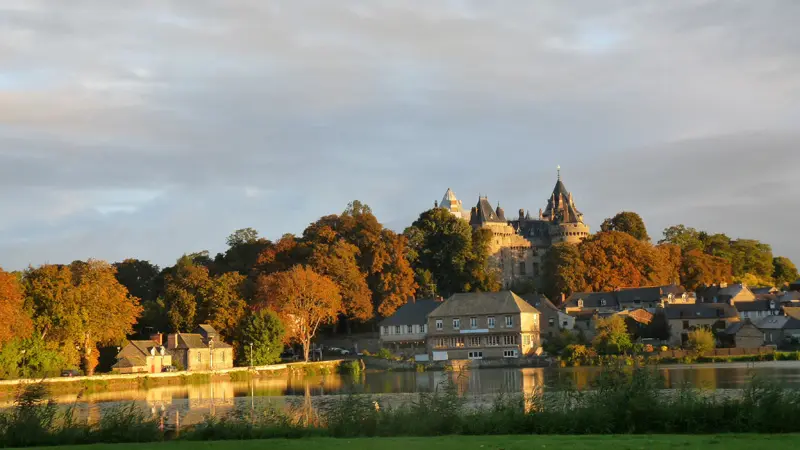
701,341
384,353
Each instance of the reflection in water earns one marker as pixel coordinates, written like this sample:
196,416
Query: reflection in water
189,404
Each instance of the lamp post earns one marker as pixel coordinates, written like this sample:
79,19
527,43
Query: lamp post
251,354
211,352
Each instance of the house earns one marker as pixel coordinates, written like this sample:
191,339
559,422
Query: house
600,302
794,286
652,297
684,318
636,320
780,330
757,309
744,334
201,350
406,328
724,293
142,356
483,325
551,319
758,291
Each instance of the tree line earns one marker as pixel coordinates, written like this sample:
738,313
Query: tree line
344,272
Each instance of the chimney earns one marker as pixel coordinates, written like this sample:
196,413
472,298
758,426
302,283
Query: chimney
563,298
723,285
158,337
172,341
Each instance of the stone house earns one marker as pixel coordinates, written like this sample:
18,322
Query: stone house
405,330
779,330
684,318
757,309
201,350
551,319
483,325
142,356
724,293
652,297
744,334
591,302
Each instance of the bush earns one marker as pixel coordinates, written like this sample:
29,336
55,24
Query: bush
384,353
701,341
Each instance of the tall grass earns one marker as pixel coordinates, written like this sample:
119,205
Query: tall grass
621,400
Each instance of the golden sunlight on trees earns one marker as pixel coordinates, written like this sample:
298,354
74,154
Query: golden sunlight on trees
15,321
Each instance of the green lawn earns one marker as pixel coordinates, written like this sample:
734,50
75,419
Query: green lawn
723,442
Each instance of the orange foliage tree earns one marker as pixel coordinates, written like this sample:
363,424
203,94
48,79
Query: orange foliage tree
15,321
303,299
699,269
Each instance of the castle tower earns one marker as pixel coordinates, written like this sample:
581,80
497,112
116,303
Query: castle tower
453,204
566,222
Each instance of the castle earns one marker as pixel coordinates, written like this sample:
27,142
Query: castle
518,245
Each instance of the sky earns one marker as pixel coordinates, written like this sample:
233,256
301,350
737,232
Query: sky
155,128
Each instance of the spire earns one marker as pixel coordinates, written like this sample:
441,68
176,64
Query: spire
558,168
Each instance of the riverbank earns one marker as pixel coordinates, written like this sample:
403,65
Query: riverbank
656,442
110,382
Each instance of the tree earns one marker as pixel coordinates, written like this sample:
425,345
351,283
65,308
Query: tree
223,303
658,328
29,358
241,237
701,341
184,288
687,239
303,299
611,336
752,256
81,305
698,269
139,278
264,330
627,222
455,256
563,270
615,260
15,322
785,271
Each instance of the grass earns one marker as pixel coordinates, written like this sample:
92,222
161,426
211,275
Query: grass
660,442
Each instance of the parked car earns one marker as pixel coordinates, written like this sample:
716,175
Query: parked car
70,373
170,369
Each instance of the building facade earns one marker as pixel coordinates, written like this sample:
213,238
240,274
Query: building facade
519,244
405,330
142,356
482,326
201,350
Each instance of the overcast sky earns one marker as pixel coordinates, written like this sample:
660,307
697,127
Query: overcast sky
152,128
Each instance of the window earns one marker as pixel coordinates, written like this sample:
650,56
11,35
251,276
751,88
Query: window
602,302
199,357
475,355
440,343
685,324
457,342
397,329
492,340
535,269
384,330
509,339
526,339
509,321
491,322
475,341
473,322
522,268
509,353
551,321
422,328
439,325
456,324
223,356
409,329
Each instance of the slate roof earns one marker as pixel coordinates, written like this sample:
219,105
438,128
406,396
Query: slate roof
483,213
208,329
755,305
700,311
482,303
763,290
540,302
195,340
772,322
130,361
412,313
734,327
592,300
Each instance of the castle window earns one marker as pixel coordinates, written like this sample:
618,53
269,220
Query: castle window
522,268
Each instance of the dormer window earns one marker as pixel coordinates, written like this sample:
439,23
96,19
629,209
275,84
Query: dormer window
602,302
580,303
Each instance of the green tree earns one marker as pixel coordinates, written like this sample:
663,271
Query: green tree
139,278
751,256
264,330
31,357
223,303
563,270
184,289
701,341
455,256
687,239
627,222
785,271
611,337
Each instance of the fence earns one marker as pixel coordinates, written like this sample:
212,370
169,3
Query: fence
720,352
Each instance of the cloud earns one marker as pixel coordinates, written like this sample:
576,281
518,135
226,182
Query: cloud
271,114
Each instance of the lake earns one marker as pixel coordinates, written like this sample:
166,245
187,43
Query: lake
187,404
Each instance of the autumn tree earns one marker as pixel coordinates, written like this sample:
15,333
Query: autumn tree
303,299
15,322
698,269
627,222
563,270
615,260
785,271
222,303
611,337
81,305
184,289
260,338
447,251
